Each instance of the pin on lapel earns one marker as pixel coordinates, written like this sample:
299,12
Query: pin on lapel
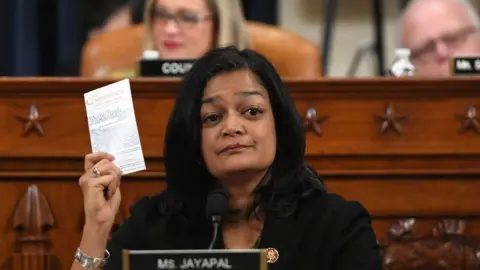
272,255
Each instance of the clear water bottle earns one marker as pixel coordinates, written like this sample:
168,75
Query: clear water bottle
402,65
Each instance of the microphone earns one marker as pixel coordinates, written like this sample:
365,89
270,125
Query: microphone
216,208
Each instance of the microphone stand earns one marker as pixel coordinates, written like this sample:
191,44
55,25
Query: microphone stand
215,221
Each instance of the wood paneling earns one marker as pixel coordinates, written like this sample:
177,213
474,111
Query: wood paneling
425,173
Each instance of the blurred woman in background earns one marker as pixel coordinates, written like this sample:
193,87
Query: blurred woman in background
178,29
186,29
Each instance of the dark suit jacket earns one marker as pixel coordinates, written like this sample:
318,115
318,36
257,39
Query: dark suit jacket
325,232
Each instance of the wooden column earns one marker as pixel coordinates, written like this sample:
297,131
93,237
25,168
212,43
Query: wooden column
33,219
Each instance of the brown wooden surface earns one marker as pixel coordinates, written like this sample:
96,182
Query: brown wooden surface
424,168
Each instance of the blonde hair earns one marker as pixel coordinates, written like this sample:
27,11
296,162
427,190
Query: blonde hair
230,24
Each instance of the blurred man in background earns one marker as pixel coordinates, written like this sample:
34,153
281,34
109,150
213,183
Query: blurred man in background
437,30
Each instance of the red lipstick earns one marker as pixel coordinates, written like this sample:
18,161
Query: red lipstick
171,44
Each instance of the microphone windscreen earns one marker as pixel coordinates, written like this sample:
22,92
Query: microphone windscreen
217,203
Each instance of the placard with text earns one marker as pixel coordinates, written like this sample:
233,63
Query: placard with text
251,259
469,65
164,68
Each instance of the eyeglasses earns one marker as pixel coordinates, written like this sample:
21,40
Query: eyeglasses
451,40
184,19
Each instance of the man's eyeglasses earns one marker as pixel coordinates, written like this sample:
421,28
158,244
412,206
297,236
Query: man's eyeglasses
451,40
183,19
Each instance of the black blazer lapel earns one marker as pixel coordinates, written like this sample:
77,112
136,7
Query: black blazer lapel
278,234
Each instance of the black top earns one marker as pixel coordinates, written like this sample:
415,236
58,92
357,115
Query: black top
324,232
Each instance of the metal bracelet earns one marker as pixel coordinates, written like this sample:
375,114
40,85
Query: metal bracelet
87,261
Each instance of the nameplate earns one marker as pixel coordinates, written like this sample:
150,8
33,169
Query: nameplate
251,259
164,68
465,65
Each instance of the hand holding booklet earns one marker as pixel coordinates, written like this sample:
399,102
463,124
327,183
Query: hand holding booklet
113,126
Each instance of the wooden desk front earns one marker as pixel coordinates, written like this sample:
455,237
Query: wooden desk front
409,150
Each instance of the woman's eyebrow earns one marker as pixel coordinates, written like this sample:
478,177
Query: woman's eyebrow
248,93
245,93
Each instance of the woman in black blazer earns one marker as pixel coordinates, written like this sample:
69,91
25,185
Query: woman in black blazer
233,127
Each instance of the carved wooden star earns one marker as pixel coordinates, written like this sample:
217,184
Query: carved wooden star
470,121
33,121
313,121
390,120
